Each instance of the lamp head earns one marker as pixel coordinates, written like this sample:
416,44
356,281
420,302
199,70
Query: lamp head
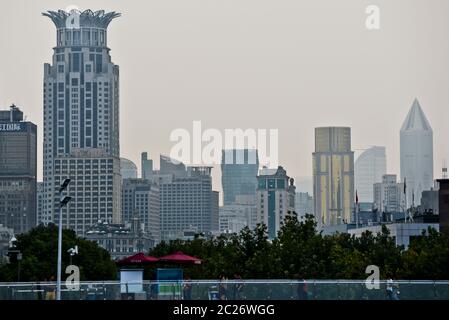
64,185
65,201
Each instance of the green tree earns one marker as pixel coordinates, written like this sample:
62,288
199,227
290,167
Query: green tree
39,248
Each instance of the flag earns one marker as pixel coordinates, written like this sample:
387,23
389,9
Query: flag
356,197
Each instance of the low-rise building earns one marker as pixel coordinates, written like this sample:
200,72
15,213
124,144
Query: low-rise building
120,240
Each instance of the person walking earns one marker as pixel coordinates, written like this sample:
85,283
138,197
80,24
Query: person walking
302,290
392,290
222,288
49,289
187,289
238,287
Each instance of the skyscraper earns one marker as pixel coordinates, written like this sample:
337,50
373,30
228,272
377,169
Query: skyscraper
81,122
239,169
188,202
389,194
416,139
18,152
146,166
370,166
275,198
141,198
333,176
40,201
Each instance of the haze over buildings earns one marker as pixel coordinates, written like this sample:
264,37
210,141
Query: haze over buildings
370,166
293,67
416,154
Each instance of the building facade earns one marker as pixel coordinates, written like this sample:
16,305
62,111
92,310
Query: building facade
416,144
275,198
141,198
146,167
389,195
119,240
333,176
81,122
215,207
370,166
18,167
128,169
303,204
430,202
235,217
95,188
40,201
239,168
443,204
187,199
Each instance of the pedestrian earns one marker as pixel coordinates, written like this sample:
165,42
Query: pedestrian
302,290
392,290
238,287
222,288
49,289
187,289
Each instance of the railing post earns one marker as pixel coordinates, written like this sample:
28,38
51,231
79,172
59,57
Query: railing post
338,289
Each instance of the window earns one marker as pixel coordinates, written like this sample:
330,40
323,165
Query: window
60,68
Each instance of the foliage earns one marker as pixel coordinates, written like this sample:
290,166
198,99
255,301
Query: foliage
299,252
39,248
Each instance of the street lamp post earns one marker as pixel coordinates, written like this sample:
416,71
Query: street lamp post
12,249
63,202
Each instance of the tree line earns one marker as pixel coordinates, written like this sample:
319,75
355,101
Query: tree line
299,252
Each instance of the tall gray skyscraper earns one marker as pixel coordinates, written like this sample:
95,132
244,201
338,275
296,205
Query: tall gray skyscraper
370,166
141,198
239,168
146,166
81,122
188,202
333,176
416,138
18,152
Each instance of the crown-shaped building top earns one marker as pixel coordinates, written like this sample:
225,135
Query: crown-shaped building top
87,18
416,119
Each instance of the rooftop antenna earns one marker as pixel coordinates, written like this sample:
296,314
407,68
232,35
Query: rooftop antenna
444,169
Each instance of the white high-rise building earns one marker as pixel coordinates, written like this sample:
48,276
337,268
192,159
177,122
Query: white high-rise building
416,154
81,122
370,166
389,194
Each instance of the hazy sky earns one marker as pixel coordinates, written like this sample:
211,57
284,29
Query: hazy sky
286,64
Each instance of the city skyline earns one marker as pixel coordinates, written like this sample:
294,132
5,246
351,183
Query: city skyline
384,109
